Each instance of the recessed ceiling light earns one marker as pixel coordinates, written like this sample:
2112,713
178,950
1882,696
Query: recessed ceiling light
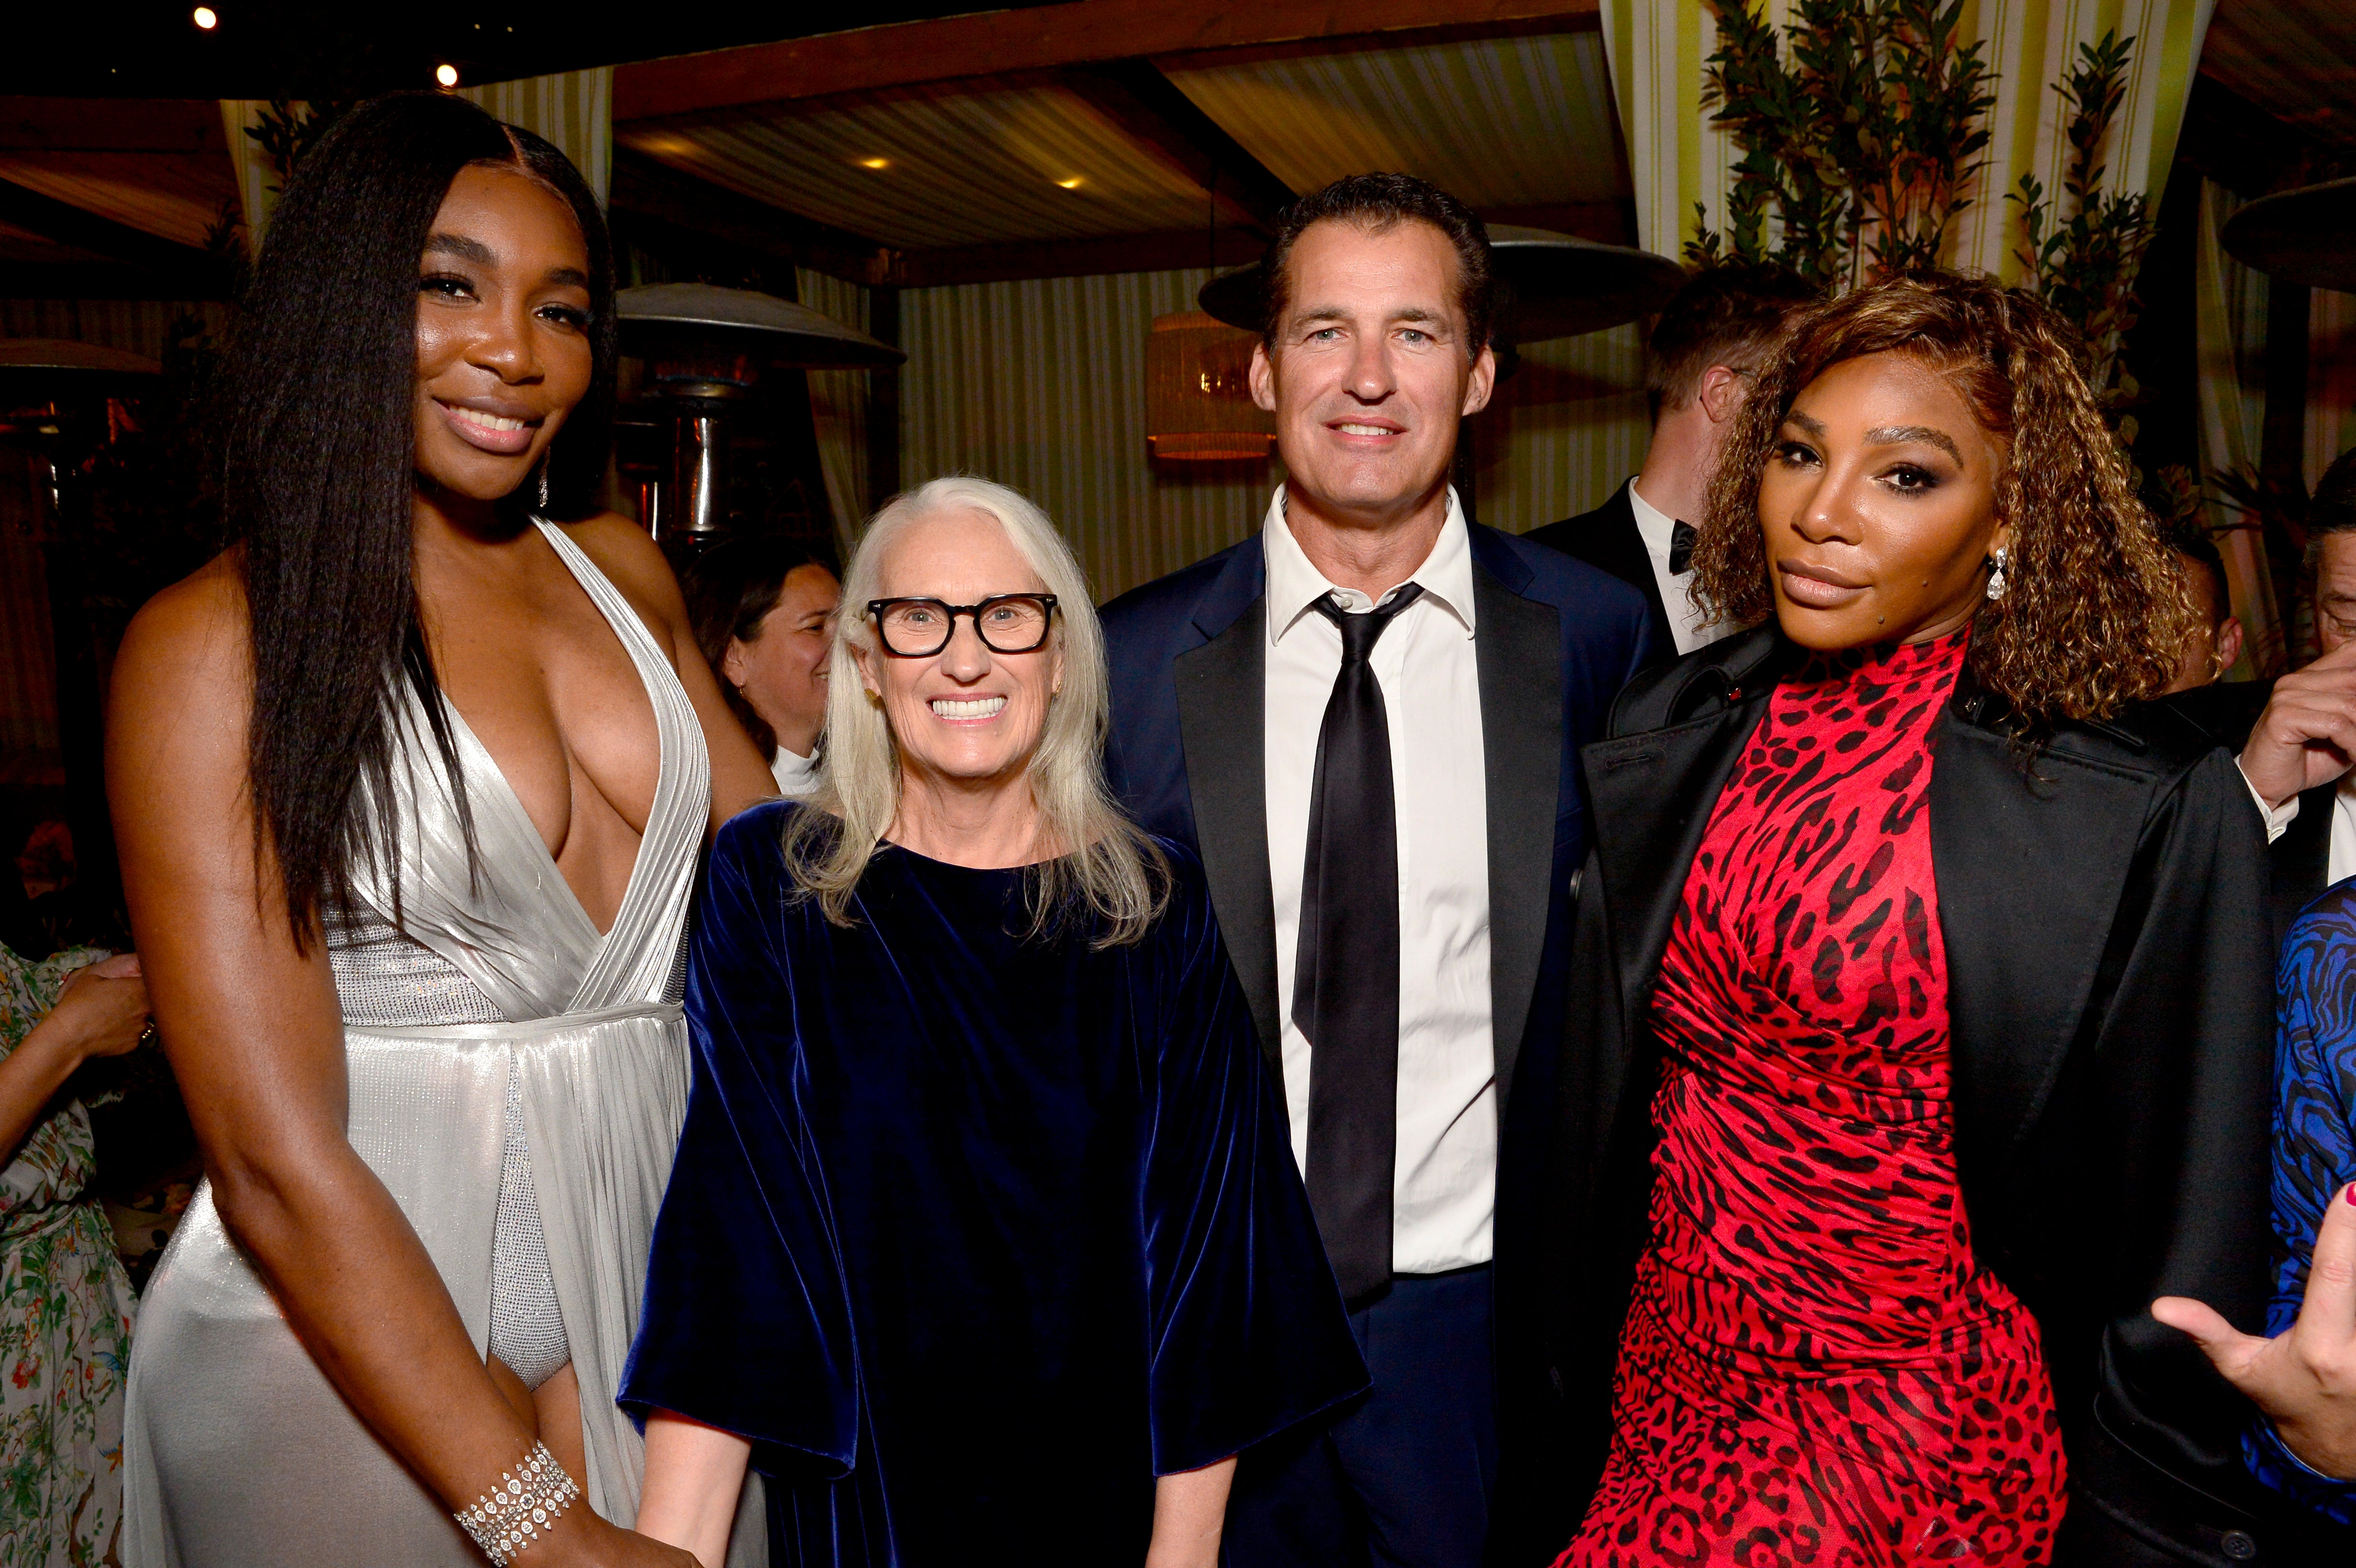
447,75
874,162
203,17
1072,183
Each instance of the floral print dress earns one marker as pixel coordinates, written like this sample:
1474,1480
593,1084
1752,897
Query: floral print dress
65,1309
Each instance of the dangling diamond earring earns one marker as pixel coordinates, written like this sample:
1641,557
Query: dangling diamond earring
1996,578
544,493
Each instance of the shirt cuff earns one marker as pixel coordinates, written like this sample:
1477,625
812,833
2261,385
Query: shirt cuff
2279,818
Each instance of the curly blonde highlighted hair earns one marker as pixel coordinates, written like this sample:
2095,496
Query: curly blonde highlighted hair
2094,613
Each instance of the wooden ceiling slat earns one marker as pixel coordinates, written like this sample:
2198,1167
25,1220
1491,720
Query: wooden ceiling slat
1042,38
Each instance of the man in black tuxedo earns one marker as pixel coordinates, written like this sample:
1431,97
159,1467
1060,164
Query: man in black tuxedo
1711,338
2298,757
1366,719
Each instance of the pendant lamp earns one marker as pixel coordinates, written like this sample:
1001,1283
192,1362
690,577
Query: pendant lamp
1198,403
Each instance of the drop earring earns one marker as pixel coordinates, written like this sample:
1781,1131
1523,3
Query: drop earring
1996,578
544,493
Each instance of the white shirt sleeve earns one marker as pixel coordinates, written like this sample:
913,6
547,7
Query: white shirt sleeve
2279,818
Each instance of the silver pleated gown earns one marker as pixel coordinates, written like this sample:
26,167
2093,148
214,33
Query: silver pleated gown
237,1450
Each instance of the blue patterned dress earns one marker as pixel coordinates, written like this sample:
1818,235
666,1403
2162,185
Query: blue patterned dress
2315,1145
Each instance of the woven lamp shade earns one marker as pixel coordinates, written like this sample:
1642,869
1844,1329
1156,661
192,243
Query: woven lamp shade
1198,405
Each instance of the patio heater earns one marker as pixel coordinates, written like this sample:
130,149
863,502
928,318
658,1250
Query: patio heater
709,355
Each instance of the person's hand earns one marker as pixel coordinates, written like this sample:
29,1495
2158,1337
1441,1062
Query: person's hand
2305,1380
2307,736
101,1010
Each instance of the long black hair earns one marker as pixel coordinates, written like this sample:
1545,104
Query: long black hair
319,481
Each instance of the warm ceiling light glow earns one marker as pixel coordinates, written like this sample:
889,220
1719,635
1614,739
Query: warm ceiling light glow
874,162
1072,183
447,75
203,17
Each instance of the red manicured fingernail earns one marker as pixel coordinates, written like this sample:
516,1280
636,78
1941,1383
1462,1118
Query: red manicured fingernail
2351,1193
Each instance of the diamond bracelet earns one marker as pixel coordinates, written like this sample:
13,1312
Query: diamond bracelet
516,1512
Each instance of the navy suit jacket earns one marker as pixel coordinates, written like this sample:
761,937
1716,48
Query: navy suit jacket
1555,640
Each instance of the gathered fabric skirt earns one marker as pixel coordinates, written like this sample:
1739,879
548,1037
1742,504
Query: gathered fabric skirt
238,1452
1723,1458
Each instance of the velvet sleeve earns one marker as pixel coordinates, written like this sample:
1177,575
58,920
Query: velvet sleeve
1248,1335
746,1324
2315,1148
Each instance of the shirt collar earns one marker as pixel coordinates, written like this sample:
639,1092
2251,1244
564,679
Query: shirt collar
1294,585
1652,525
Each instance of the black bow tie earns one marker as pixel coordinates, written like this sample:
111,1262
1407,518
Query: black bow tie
1681,543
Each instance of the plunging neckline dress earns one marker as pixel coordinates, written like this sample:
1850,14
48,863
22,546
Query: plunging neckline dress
517,1079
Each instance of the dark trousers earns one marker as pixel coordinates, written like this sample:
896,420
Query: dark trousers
1401,1478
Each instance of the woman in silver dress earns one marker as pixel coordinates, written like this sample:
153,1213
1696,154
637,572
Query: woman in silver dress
411,784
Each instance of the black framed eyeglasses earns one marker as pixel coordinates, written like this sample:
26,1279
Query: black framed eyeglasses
919,628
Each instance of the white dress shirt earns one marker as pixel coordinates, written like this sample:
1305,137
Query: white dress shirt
796,774
1691,628
1444,1187
2340,858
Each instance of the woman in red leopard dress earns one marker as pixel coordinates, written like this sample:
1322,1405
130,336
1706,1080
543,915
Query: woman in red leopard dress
1940,986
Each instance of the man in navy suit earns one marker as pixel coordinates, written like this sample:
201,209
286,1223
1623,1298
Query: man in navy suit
1366,719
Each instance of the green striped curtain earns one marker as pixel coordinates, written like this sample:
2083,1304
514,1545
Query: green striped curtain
1657,49
2229,333
573,109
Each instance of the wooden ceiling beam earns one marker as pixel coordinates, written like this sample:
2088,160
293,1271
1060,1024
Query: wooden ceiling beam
1043,38
1071,258
1607,222
1151,110
180,271
647,188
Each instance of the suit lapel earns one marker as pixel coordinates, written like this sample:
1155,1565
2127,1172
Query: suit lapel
1517,646
1634,564
1652,795
1222,702
2002,847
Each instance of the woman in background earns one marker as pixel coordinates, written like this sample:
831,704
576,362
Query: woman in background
409,785
764,614
1926,980
984,1243
66,1305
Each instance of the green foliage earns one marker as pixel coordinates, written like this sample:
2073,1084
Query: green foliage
2082,255
1859,148
288,130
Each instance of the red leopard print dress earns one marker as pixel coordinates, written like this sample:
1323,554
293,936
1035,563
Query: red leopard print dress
1814,1371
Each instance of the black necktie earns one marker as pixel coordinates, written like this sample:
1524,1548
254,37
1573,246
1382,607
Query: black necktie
1681,543
1346,975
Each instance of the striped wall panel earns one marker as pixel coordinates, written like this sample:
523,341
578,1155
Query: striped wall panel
573,109
838,408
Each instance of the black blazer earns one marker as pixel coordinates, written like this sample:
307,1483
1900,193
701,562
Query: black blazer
1607,539
2113,1010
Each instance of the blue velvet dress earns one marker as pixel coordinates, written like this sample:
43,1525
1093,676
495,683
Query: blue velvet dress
973,1236
2315,1145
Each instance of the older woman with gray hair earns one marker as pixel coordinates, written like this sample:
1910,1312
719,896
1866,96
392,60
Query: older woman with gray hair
984,1241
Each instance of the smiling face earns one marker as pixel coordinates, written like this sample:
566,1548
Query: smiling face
503,351
966,714
1878,506
1368,374
782,671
